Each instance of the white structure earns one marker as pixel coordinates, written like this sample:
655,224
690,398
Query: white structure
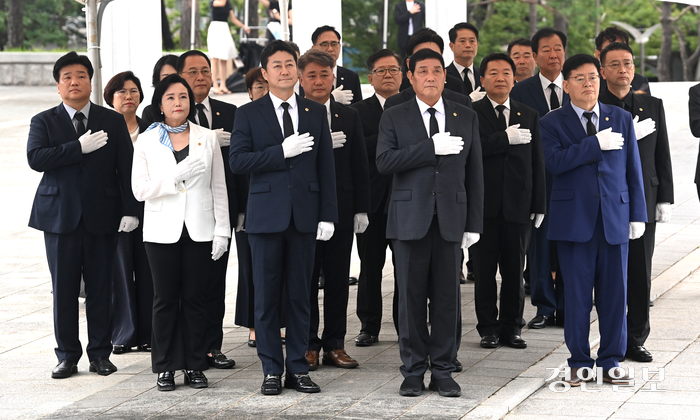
309,15
441,16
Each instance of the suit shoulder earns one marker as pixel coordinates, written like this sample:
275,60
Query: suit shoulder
46,114
459,107
524,108
312,106
553,117
224,106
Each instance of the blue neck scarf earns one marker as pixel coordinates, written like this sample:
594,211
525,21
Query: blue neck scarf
164,129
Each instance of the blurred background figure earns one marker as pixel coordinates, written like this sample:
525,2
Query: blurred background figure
220,42
165,66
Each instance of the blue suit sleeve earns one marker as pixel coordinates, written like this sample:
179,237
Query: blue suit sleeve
42,156
242,158
560,154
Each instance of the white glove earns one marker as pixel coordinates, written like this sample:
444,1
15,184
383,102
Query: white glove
469,239
663,212
644,128
218,246
339,139
128,224
223,137
538,218
477,94
188,168
445,144
608,140
239,225
343,96
297,144
324,231
637,229
360,223
91,142
518,135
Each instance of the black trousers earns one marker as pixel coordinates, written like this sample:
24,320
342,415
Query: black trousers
245,297
70,256
428,270
180,273
639,286
371,247
502,247
132,291
216,306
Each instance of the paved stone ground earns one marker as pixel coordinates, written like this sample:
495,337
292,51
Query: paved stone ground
495,383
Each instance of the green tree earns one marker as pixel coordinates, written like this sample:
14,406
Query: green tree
47,23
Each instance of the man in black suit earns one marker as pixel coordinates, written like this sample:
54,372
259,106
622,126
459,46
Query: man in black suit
346,83
514,194
544,92
428,38
431,147
640,83
195,68
464,43
520,51
83,200
283,141
410,16
652,138
385,76
352,188
694,120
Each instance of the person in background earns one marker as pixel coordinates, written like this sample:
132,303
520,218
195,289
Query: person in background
165,66
273,10
220,42
464,43
346,83
640,84
520,51
132,285
410,16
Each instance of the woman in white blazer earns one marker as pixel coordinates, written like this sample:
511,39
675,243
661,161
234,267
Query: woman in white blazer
179,172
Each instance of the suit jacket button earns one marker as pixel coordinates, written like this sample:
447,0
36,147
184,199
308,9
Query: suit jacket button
289,187
597,196
600,175
437,172
433,192
182,190
291,166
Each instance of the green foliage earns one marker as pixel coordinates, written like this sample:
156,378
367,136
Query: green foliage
363,31
45,23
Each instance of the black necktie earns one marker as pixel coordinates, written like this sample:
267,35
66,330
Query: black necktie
203,121
434,129
501,116
80,127
468,88
553,98
590,127
287,121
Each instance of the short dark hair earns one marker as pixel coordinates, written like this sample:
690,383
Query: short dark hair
322,29
577,61
168,59
424,54
611,34
495,57
181,60
614,46
381,54
519,41
314,55
546,33
424,35
161,87
117,83
70,59
294,46
275,47
462,25
253,75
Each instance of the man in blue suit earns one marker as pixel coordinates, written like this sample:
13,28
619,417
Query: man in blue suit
597,205
283,141
83,200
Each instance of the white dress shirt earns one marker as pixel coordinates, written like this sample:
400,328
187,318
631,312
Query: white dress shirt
293,111
470,73
207,112
506,112
547,91
439,115
584,120
71,113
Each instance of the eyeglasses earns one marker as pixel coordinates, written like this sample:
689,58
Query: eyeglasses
193,73
392,71
593,78
615,65
332,44
124,92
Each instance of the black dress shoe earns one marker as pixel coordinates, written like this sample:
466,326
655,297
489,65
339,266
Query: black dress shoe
219,361
365,339
166,381
458,366
540,321
251,342
120,349
412,386
195,379
301,382
470,276
272,385
353,281
526,288
64,369
102,366
145,347
445,387
514,341
462,279
489,341
638,354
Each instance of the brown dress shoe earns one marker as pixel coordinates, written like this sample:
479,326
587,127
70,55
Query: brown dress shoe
620,377
312,358
575,379
339,358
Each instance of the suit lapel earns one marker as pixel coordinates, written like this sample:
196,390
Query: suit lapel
490,114
216,118
65,123
573,124
197,137
605,118
414,118
335,116
269,113
537,93
304,117
94,118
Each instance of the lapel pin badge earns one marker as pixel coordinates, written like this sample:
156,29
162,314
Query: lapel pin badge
518,114
199,144
218,113
640,109
336,115
607,119
306,109
454,113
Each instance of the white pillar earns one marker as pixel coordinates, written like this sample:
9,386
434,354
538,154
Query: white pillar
309,15
441,16
131,40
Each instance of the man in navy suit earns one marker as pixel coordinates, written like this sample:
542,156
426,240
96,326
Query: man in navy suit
83,200
346,84
432,148
544,92
597,205
284,143
464,43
